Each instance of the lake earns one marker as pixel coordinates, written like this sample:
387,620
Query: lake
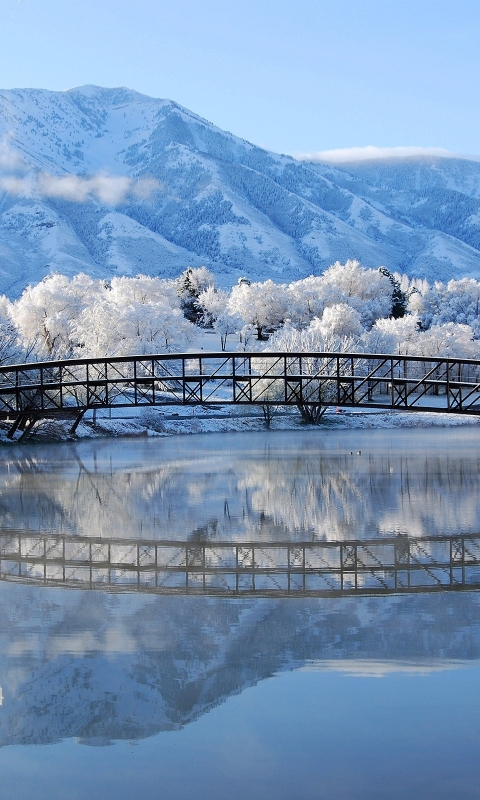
122,676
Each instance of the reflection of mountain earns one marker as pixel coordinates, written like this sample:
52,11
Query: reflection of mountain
104,667
267,487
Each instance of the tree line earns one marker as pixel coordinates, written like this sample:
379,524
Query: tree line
348,307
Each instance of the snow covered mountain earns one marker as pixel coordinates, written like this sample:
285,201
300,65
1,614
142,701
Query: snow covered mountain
109,181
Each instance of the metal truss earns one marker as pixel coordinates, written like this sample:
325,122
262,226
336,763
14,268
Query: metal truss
394,565
29,392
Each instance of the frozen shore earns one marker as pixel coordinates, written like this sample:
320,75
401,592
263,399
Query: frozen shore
187,420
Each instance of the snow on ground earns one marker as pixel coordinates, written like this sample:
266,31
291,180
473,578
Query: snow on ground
182,420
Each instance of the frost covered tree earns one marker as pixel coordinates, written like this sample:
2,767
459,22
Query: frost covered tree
340,320
456,301
379,341
305,300
215,313
212,303
263,305
114,326
143,289
97,330
62,317
452,340
190,285
401,334
44,313
320,390
11,350
366,290
247,337
407,338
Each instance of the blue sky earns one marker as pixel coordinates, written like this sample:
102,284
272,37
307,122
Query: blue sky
294,76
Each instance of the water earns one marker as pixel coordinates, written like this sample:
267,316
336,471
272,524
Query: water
120,692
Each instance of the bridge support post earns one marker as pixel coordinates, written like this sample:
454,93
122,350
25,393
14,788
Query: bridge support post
77,421
27,426
13,428
24,423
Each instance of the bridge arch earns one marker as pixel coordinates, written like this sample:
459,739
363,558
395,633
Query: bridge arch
310,381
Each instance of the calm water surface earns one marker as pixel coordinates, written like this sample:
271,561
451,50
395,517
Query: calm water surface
119,694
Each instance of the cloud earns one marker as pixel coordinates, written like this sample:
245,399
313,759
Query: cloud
20,180
10,160
108,189
370,152
19,187
144,188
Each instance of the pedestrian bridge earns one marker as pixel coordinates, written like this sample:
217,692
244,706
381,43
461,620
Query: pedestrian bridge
310,381
389,565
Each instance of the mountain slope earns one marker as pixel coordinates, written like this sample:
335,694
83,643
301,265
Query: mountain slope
110,181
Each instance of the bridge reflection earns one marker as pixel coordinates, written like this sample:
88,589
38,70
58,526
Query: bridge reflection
393,565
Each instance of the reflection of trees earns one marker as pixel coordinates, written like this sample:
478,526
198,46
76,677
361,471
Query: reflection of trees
102,667
213,491
305,497
350,496
91,499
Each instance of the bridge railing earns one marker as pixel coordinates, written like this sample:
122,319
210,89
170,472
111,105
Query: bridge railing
301,379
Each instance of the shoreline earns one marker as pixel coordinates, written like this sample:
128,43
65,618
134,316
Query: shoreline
152,423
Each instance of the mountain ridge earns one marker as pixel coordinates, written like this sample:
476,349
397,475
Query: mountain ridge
193,194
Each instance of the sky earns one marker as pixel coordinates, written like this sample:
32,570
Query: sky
293,76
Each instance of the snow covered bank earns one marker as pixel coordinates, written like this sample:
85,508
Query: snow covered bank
182,421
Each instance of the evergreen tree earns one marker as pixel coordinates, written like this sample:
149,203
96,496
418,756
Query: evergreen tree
399,297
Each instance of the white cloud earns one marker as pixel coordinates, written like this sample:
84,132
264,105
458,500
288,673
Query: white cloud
370,152
144,188
10,160
20,180
20,187
108,189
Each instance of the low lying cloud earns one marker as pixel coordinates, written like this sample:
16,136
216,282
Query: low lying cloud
20,180
108,189
10,160
369,153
